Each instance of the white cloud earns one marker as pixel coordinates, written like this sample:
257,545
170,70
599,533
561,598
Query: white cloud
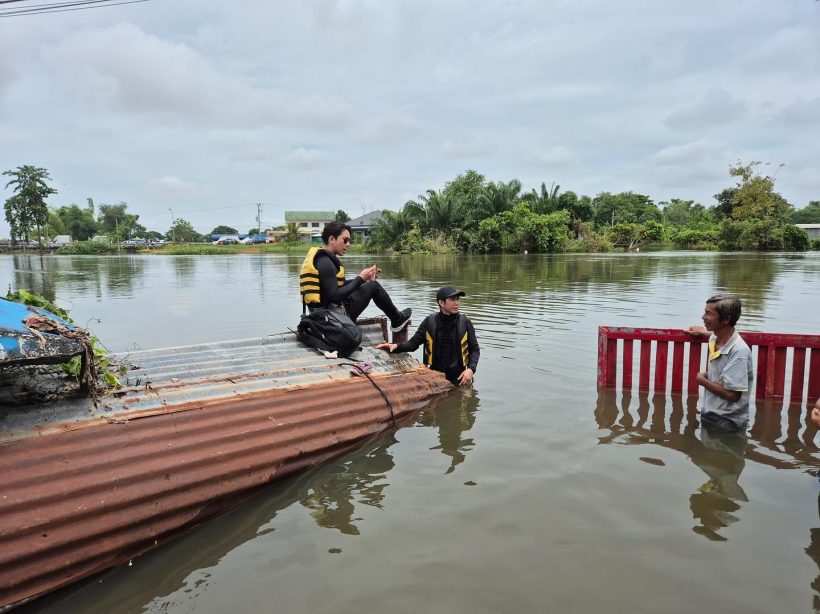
716,107
303,157
466,147
137,72
558,156
800,113
173,188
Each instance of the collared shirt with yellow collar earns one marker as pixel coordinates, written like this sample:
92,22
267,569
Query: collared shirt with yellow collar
731,366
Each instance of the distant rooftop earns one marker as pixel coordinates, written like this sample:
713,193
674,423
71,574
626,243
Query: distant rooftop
368,219
309,216
807,226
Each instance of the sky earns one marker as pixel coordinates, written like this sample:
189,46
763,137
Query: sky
201,109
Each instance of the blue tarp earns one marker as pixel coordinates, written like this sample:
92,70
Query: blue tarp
18,344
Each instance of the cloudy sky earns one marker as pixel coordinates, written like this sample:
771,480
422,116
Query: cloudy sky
207,107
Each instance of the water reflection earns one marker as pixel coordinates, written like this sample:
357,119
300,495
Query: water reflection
185,270
721,456
452,424
750,276
361,479
59,278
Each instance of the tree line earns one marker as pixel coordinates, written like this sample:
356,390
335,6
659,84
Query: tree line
30,217
471,214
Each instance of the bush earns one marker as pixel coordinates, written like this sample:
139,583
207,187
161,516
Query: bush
589,243
186,249
729,234
521,230
87,248
690,238
795,239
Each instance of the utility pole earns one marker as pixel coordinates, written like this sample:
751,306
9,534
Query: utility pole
173,233
259,217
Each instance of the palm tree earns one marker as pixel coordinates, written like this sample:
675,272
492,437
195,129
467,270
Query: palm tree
546,201
436,212
390,229
292,233
497,198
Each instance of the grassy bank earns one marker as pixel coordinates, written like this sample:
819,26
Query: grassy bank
96,248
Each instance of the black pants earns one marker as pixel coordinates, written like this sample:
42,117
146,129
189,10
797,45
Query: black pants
720,422
361,297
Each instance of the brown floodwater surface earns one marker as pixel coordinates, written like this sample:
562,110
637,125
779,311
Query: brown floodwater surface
529,492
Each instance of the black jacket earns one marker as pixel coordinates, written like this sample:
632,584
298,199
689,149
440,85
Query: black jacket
429,333
332,293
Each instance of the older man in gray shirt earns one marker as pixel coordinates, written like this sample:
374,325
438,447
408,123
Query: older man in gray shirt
727,382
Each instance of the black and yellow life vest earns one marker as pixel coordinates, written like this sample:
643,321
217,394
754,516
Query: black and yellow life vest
431,324
309,287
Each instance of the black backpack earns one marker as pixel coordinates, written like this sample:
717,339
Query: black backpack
329,331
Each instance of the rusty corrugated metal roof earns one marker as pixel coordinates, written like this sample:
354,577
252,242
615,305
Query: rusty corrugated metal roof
205,425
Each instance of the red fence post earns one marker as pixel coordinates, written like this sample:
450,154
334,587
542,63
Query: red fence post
695,354
798,370
626,370
762,370
677,366
814,375
607,358
645,363
661,356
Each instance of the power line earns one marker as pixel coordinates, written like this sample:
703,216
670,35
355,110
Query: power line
217,208
60,7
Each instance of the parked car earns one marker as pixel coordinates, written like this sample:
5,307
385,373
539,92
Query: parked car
227,240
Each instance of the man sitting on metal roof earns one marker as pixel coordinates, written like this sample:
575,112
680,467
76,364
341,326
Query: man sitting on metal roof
322,281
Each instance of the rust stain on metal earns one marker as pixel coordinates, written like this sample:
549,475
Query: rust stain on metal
81,500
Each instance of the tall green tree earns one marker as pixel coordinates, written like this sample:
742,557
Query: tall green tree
754,196
342,216
79,223
117,223
224,230
498,198
390,229
580,208
466,189
26,210
545,201
625,207
436,212
181,231
292,234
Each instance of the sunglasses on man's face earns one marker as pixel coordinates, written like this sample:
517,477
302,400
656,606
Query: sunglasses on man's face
346,240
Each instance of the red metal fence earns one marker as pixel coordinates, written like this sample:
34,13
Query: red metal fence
775,356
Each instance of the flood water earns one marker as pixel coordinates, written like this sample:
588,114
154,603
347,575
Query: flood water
529,492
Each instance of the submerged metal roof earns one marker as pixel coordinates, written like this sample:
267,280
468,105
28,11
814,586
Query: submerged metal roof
83,488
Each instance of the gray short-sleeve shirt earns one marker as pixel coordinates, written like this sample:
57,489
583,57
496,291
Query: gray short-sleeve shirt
732,367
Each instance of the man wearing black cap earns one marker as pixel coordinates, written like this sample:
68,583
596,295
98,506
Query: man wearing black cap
450,344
